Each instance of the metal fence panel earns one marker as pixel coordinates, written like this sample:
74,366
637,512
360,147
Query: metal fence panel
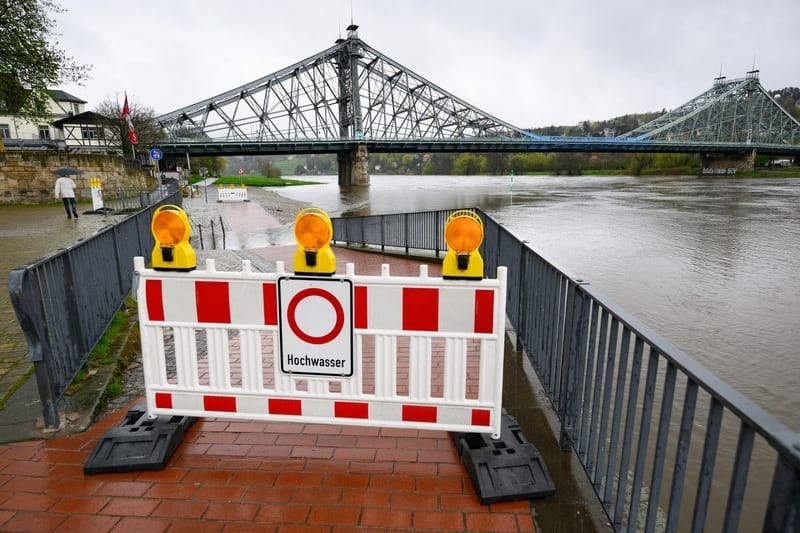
590,356
64,302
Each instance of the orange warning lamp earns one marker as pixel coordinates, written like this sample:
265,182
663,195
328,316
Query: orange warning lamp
463,233
313,232
171,230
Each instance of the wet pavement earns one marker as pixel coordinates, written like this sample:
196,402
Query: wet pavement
28,233
253,476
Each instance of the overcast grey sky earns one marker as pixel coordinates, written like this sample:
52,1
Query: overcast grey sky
531,63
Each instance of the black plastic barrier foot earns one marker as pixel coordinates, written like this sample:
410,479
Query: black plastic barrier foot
139,443
509,468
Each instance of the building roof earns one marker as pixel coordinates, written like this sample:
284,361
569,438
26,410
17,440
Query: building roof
61,96
87,117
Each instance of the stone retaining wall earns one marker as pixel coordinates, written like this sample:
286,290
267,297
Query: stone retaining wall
27,177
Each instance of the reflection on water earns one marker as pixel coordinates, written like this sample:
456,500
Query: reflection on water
710,264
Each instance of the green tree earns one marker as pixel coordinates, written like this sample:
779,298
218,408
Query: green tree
214,165
147,128
496,163
30,58
268,169
640,162
468,164
409,163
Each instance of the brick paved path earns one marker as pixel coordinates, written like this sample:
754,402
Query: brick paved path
254,476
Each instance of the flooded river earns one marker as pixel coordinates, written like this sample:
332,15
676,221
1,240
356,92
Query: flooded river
710,264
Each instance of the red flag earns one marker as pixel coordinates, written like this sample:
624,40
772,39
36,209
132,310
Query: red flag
126,116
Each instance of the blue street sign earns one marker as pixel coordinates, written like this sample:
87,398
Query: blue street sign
156,154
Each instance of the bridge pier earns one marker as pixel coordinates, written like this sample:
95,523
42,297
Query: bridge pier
353,167
728,163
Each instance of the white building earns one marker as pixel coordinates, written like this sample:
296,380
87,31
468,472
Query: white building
62,105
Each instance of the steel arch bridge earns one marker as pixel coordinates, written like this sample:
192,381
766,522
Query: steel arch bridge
352,97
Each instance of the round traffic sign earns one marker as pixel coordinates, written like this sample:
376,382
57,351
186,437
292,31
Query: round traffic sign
156,154
315,326
291,316
240,171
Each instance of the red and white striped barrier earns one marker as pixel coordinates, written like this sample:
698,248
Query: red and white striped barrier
232,195
405,352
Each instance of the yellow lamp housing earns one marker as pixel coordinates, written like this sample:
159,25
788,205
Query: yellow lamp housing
463,233
171,230
313,232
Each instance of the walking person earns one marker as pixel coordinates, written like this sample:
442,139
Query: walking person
65,189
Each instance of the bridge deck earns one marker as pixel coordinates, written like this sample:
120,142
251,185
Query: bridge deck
589,144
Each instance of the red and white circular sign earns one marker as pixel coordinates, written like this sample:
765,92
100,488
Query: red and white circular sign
315,326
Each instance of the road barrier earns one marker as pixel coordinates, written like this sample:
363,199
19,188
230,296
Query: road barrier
404,352
232,194
65,301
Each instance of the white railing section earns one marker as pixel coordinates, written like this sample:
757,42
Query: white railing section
232,195
427,353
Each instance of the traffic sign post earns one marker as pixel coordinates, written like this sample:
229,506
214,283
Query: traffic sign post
316,326
156,155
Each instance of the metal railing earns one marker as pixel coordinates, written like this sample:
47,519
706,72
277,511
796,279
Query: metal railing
34,144
133,199
210,235
422,230
65,301
590,356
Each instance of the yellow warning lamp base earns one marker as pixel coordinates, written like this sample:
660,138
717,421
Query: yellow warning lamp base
462,266
315,263
463,233
180,258
171,231
313,232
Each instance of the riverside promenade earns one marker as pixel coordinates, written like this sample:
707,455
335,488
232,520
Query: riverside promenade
253,476
233,475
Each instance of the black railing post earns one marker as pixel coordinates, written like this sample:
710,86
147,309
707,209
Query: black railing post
28,301
521,299
383,236
213,236
74,314
575,317
406,232
783,508
436,232
117,260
